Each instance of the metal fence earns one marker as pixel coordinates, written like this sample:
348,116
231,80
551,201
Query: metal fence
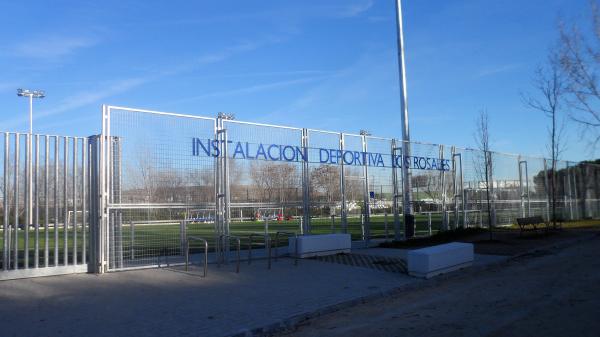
168,176
133,196
45,204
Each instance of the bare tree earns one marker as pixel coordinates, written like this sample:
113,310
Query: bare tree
484,165
274,181
141,178
325,181
579,59
550,88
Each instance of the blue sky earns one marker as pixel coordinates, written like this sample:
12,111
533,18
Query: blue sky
320,64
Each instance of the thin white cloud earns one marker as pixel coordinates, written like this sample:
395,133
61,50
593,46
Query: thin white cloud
85,98
497,69
51,47
356,9
81,99
220,55
251,89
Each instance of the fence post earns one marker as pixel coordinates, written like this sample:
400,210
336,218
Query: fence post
5,233
344,215
305,183
576,196
395,193
570,191
547,190
443,184
367,198
385,225
455,187
332,223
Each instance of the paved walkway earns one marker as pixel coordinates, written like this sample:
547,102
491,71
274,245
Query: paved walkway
552,293
171,302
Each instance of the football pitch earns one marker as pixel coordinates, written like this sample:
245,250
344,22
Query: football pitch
164,238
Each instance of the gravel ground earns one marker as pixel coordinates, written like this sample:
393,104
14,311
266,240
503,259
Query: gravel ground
553,292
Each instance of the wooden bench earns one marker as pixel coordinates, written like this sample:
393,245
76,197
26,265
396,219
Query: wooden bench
533,221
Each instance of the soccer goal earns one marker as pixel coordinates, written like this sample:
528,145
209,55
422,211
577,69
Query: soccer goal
204,215
271,214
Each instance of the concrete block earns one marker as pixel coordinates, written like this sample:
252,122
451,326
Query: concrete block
319,245
432,261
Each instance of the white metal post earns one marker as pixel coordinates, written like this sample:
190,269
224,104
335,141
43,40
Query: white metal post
343,211
407,189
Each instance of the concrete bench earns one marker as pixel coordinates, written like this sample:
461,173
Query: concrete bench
432,261
319,245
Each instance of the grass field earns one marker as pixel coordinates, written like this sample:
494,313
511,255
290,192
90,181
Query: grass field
153,240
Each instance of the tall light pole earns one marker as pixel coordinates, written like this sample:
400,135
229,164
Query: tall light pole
31,94
407,191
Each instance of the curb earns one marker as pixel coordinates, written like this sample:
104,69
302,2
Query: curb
290,323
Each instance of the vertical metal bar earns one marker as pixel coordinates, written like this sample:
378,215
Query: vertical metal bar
56,204
37,202
106,189
216,171
226,188
463,192
187,254
570,194
366,194
546,189
343,211
521,190
305,184
577,207
443,185
268,243
205,257
84,173
117,170
429,223
28,196
332,223
395,194
132,239
94,198
455,188
385,225
66,202
46,221
406,179
5,232
492,192
16,186
527,189
74,259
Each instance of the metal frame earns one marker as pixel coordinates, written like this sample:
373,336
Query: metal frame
295,245
187,252
224,258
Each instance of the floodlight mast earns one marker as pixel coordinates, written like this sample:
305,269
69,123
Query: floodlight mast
407,204
31,94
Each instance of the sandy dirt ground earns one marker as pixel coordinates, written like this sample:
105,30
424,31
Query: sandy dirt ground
553,292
